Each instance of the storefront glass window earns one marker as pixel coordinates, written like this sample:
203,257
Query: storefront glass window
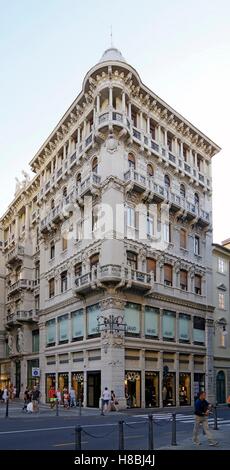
63,381
35,341
185,388
198,384
133,389
169,389
132,319
63,323
50,382
77,325
168,325
151,321
151,389
184,324
77,379
92,313
50,332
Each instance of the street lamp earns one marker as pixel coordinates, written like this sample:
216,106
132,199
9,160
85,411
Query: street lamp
111,324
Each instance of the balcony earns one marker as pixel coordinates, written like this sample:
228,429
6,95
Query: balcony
89,186
21,284
157,192
113,274
34,216
137,180
19,316
16,255
204,218
57,214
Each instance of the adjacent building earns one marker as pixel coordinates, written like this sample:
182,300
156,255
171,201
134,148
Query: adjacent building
221,292
107,251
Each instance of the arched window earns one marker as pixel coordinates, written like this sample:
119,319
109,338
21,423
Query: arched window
64,191
95,165
150,171
131,161
182,190
196,200
52,203
167,181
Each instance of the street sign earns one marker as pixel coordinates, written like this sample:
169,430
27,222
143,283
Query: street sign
35,372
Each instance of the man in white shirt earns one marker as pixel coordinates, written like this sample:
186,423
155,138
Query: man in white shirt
105,400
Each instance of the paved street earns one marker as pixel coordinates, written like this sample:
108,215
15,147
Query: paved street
45,430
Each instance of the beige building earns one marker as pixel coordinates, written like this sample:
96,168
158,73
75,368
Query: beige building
108,250
221,292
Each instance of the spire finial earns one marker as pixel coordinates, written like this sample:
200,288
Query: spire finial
111,35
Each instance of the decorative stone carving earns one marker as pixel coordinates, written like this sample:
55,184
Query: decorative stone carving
20,340
10,343
111,143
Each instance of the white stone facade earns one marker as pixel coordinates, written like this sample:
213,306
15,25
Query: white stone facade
122,146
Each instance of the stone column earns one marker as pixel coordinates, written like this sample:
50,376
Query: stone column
84,324
177,369
98,103
142,364
177,332
159,134
181,149
42,360
16,228
148,125
110,96
161,325
191,369
209,363
160,364
130,110
113,352
123,101
27,221
78,135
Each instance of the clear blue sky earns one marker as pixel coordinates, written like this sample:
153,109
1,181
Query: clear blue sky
180,48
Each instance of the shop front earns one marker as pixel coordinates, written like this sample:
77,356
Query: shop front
50,383
77,381
93,388
151,389
31,380
199,384
169,389
4,375
184,388
133,389
63,381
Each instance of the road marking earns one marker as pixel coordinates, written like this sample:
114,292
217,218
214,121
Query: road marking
68,444
134,437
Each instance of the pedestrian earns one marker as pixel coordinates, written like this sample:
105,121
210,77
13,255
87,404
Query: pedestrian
52,397
35,398
228,401
66,398
113,402
5,395
202,409
105,400
26,399
72,396
59,397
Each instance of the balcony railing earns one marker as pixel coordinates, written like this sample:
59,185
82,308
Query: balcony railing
20,284
22,315
133,175
88,183
16,254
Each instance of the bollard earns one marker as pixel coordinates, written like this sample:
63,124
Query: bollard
173,443
121,435
79,404
78,430
151,445
102,406
57,407
215,418
7,408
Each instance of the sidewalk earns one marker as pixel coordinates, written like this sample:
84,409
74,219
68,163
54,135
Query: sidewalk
223,438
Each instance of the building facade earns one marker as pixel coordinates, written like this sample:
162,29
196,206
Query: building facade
108,250
221,292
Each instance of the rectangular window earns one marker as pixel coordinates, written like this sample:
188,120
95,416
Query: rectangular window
168,325
183,279
168,275
51,332
64,243
197,281
52,250
198,330
130,217
35,341
92,314
77,325
151,266
183,238
132,259
221,265
151,322
184,327
132,319
167,233
78,270
150,226
51,287
63,323
221,298
196,245
64,278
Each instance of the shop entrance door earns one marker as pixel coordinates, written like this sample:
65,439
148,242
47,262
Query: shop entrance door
220,387
93,389
18,377
133,389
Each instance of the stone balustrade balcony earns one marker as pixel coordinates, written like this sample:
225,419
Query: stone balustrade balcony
19,316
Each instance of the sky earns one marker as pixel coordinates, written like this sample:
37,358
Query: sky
180,48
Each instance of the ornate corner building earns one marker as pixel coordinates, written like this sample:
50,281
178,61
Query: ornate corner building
129,306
